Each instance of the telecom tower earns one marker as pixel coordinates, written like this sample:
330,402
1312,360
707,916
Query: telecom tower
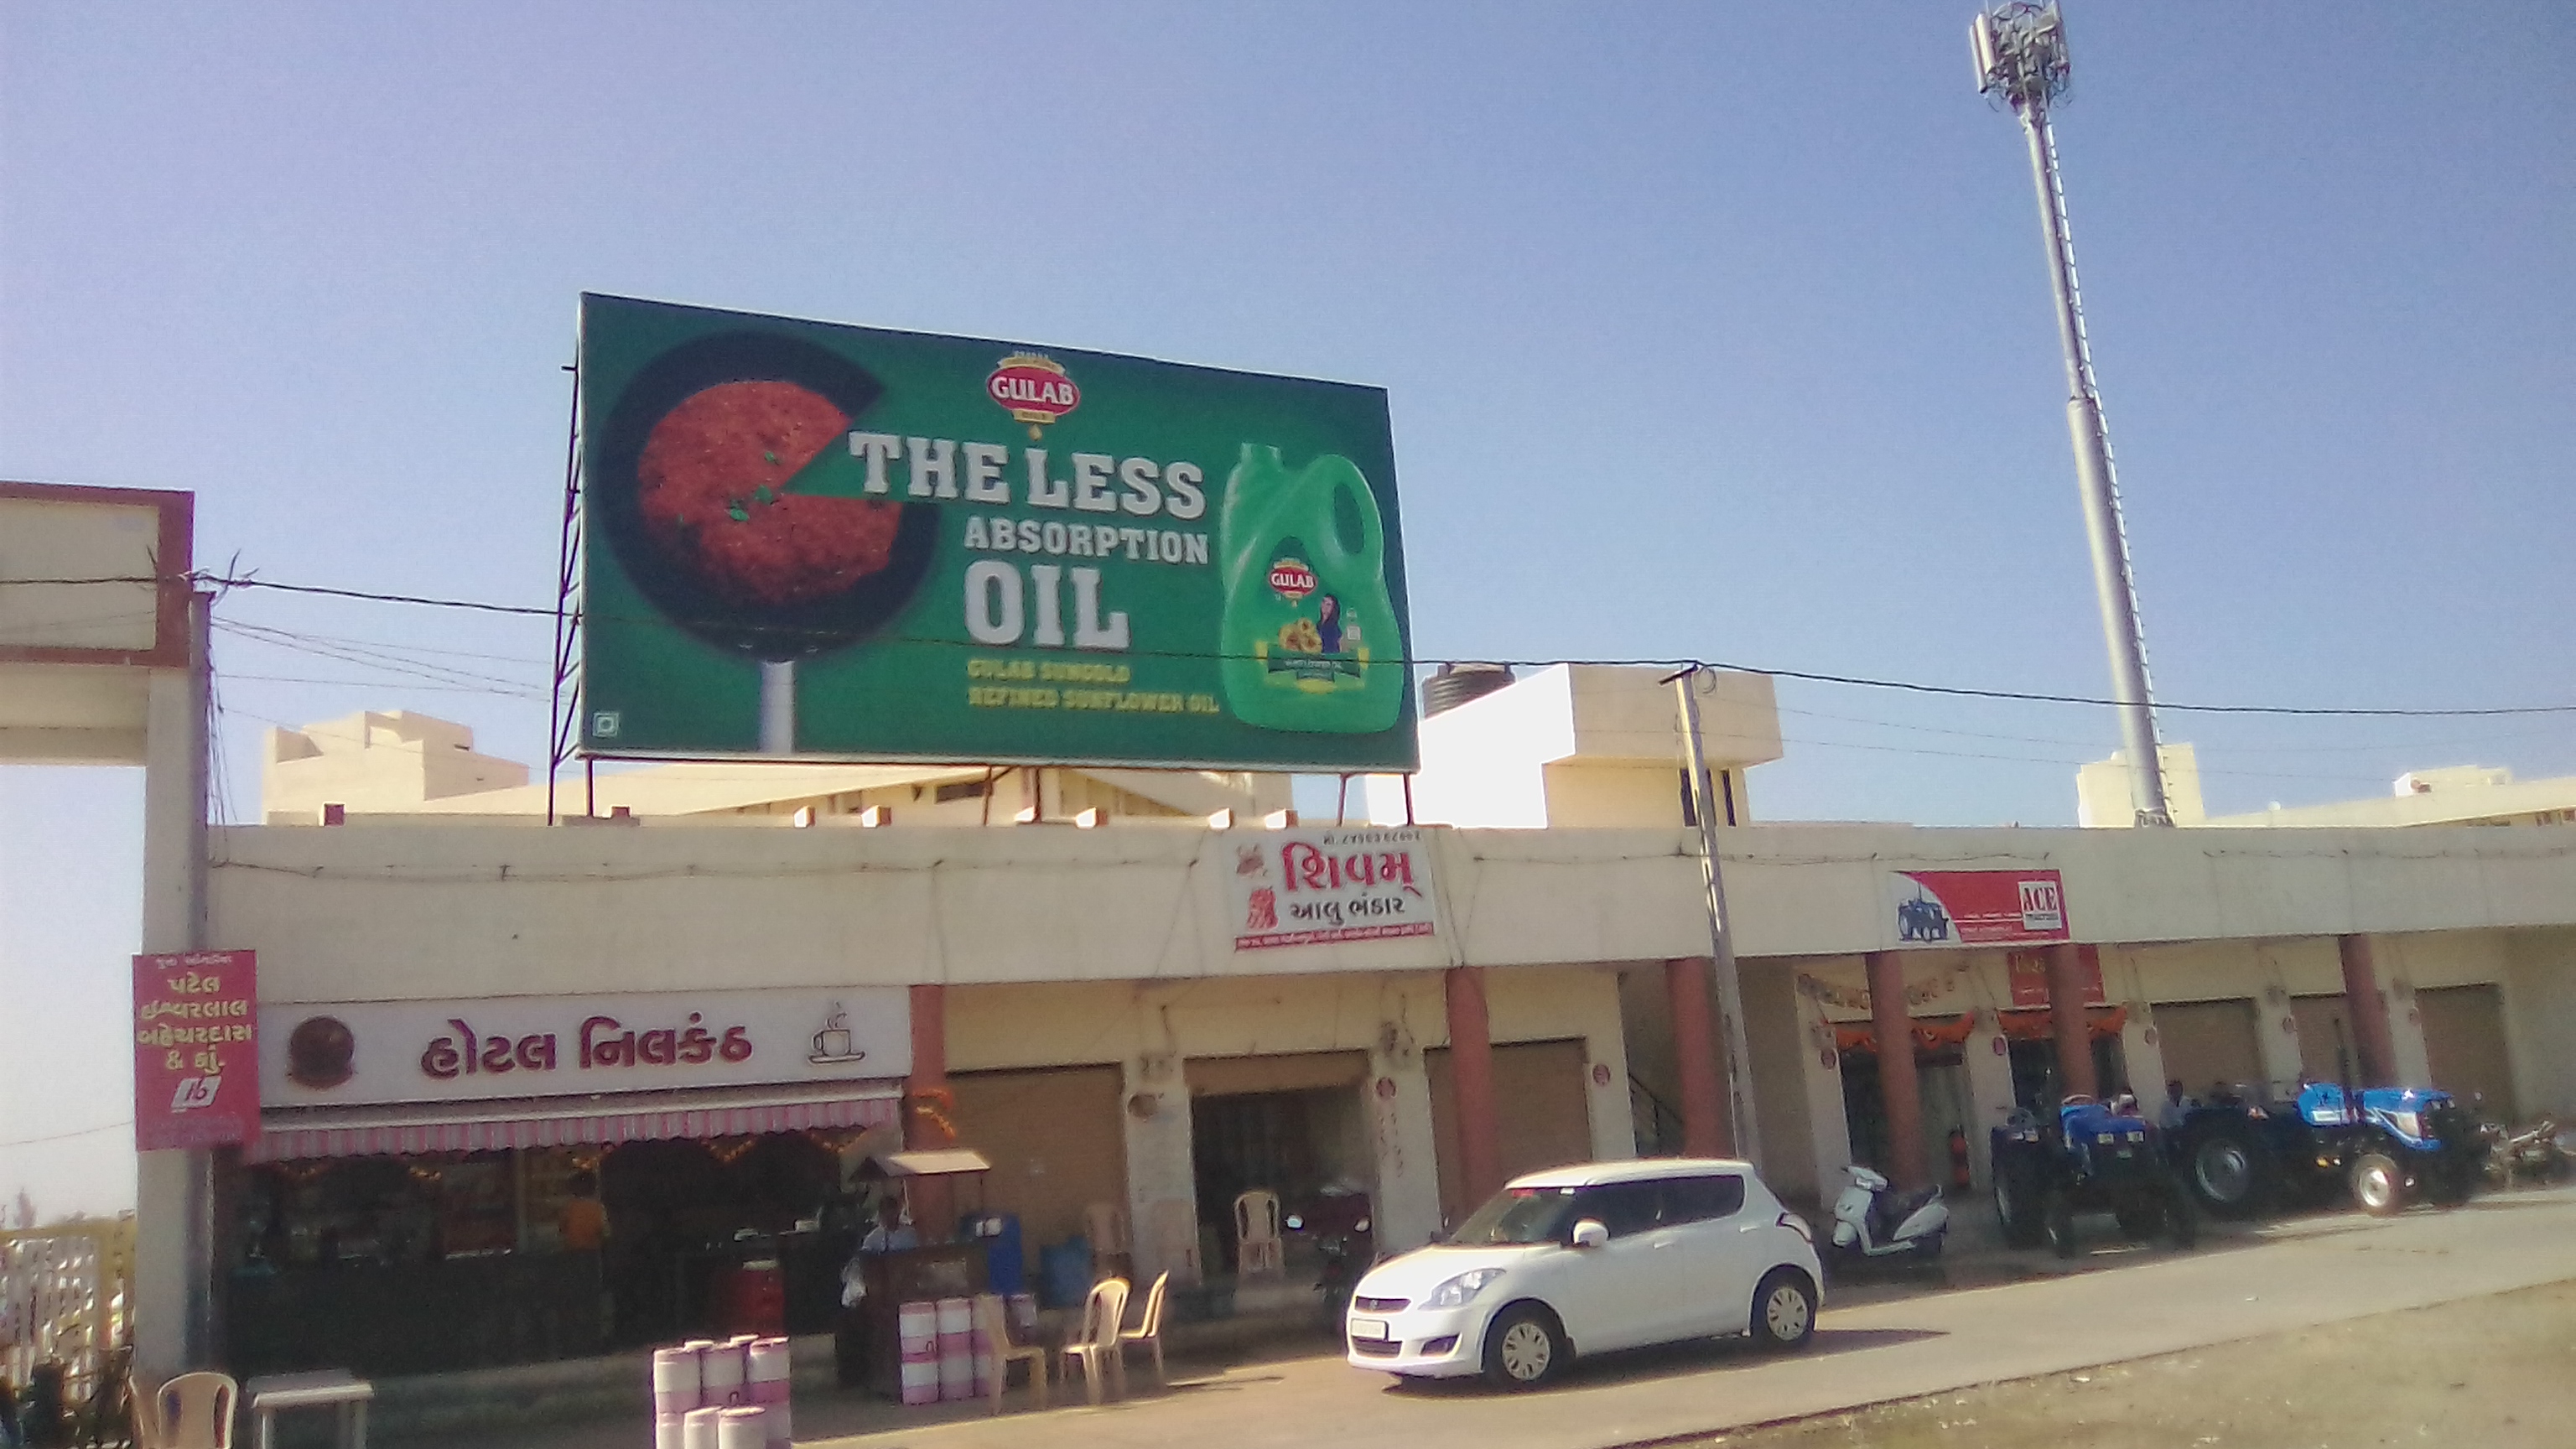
2020,51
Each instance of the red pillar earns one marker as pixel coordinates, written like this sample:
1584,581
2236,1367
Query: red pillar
1471,1074
929,1117
1704,1125
2066,1019
2370,1039
1898,1089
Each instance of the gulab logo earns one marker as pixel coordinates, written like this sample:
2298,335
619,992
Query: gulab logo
1034,389
1291,579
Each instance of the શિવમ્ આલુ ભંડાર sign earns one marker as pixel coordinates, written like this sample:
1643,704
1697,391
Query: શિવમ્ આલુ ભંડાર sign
1316,887
844,542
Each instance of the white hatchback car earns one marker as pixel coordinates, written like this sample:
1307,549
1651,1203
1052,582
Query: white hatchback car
1585,1259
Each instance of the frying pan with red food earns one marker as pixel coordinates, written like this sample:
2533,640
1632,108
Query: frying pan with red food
729,494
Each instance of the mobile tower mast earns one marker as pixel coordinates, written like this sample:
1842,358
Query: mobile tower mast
2020,53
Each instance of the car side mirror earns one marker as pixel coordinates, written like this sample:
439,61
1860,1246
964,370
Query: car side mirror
1589,1233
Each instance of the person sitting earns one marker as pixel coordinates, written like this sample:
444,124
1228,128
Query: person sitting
2176,1107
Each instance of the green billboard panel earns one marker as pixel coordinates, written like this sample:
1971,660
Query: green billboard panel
848,543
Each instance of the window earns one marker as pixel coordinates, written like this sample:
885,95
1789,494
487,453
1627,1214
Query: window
965,790
1622,1207
1701,1199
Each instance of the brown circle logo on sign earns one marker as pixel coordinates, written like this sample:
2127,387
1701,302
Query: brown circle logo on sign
321,1053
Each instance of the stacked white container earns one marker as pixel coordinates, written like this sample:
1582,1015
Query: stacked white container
917,1329
720,1374
956,1348
745,1426
765,1384
676,1391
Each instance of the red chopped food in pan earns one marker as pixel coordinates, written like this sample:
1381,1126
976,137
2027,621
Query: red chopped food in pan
712,480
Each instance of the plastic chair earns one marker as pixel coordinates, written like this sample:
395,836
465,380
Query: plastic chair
194,1411
1256,1234
1001,1353
1149,1332
1105,1225
142,1409
1095,1344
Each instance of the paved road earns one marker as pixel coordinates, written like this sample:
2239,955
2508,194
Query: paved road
2319,1270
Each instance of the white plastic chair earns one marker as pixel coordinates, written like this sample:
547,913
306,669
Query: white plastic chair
1257,1248
1148,1331
1001,1353
193,1411
1095,1343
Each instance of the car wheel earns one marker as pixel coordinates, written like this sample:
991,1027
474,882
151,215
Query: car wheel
1784,1311
1525,1347
2057,1217
2378,1186
2017,1208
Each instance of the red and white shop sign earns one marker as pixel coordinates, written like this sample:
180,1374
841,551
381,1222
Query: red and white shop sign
347,1053
2028,971
1976,907
196,1049
1314,887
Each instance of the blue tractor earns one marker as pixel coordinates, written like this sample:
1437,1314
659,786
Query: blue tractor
2086,1157
2387,1146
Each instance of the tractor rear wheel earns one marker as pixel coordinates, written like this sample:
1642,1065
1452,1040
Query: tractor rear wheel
2057,1217
2017,1205
2224,1167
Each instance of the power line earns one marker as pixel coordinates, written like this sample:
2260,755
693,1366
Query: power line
68,1136
1812,676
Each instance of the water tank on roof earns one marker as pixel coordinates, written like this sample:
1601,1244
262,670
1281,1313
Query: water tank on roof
1456,684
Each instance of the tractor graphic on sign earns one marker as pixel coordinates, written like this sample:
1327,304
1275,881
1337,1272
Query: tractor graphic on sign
1922,919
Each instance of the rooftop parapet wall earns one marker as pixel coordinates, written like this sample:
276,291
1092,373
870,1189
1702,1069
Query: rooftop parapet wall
390,912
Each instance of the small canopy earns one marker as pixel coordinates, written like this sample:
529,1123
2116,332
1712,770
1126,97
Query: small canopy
933,1162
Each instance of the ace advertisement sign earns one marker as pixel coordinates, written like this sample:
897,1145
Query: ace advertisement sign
196,1050
1976,907
369,1052
846,542
1314,887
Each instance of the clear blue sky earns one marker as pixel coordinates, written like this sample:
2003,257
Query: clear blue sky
1714,331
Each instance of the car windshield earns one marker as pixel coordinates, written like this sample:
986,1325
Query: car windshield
1519,1216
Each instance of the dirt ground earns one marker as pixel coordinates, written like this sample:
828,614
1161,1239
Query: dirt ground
2499,1373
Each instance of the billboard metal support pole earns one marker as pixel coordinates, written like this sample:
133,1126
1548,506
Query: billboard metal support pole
1721,939
562,713
2020,53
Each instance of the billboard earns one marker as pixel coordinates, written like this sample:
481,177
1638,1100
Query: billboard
196,1049
849,543
1976,907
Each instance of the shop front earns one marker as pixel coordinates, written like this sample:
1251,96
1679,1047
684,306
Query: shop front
444,1185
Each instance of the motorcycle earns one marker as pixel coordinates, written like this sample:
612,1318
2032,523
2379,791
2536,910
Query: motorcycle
1873,1221
2537,1153
1344,1245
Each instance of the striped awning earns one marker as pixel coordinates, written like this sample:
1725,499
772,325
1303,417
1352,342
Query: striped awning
478,1127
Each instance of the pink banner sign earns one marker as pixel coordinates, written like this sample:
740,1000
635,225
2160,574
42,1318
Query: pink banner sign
196,1049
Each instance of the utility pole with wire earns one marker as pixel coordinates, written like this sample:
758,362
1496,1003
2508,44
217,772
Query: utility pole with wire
2020,53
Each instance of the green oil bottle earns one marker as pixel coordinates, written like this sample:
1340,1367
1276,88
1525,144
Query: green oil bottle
1311,639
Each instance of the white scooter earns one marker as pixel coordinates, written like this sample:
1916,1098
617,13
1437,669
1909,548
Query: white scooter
1871,1222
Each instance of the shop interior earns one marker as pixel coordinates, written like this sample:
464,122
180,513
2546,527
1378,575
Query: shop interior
339,1261
1283,1180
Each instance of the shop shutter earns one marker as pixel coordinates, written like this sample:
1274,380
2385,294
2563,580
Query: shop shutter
1291,1072
1054,1139
2206,1042
2465,1043
1539,1101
